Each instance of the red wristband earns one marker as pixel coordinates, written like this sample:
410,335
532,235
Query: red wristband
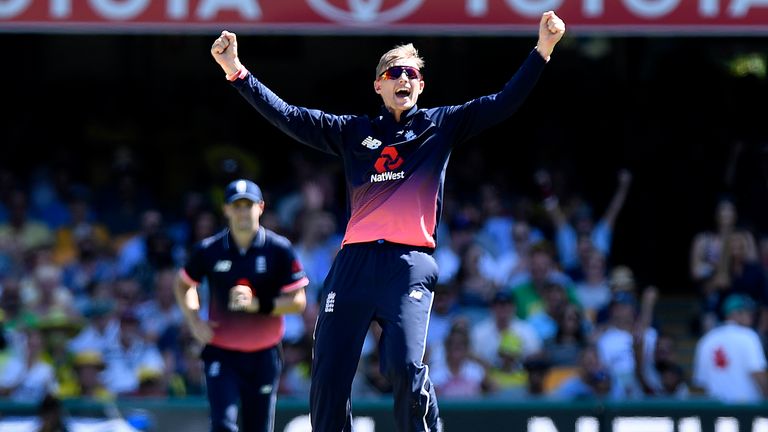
239,74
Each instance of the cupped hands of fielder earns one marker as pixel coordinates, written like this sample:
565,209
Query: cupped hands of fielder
241,298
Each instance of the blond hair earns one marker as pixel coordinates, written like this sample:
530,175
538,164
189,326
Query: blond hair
399,52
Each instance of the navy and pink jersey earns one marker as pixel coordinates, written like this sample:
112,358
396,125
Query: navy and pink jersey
395,171
269,266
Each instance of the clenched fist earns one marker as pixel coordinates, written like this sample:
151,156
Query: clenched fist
224,51
551,30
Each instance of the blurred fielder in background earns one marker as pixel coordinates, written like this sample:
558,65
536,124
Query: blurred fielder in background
253,278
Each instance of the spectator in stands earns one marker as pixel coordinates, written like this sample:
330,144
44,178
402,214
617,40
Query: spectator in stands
181,229
101,330
57,330
476,287
486,335
127,295
499,215
124,202
184,367
81,226
582,224
21,234
742,273
543,271
89,367
508,377
708,261
153,383
545,321
28,378
616,343
513,265
537,368
620,280
592,379
297,360
673,381
133,250
593,291
298,357
316,245
128,356
92,264
661,373
729,362
205,224
573,335
15,314
459,375
445,311
160,312
47,295
49,191
461,232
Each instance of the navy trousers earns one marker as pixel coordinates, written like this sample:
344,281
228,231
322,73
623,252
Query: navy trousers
391,284
242,388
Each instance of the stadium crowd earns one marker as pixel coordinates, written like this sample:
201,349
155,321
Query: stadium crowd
529,303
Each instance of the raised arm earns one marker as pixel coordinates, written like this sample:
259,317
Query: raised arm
619,197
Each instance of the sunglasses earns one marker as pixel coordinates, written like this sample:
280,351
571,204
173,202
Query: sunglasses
395,72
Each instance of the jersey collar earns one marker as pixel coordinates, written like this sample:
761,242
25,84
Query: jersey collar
259,240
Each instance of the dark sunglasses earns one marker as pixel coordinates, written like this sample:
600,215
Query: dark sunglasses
395,72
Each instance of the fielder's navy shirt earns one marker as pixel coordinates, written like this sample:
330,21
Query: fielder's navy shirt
269,266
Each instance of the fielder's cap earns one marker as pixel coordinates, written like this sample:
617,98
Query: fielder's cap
242,189
738,302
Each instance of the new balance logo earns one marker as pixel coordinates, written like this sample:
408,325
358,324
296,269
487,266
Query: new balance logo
416,294
330,301
222,266
410,135
371,143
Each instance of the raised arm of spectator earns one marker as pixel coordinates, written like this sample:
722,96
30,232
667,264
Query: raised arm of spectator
643,322
619,198
566,238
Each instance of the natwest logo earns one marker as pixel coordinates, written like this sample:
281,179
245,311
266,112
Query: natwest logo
387,176
365,11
